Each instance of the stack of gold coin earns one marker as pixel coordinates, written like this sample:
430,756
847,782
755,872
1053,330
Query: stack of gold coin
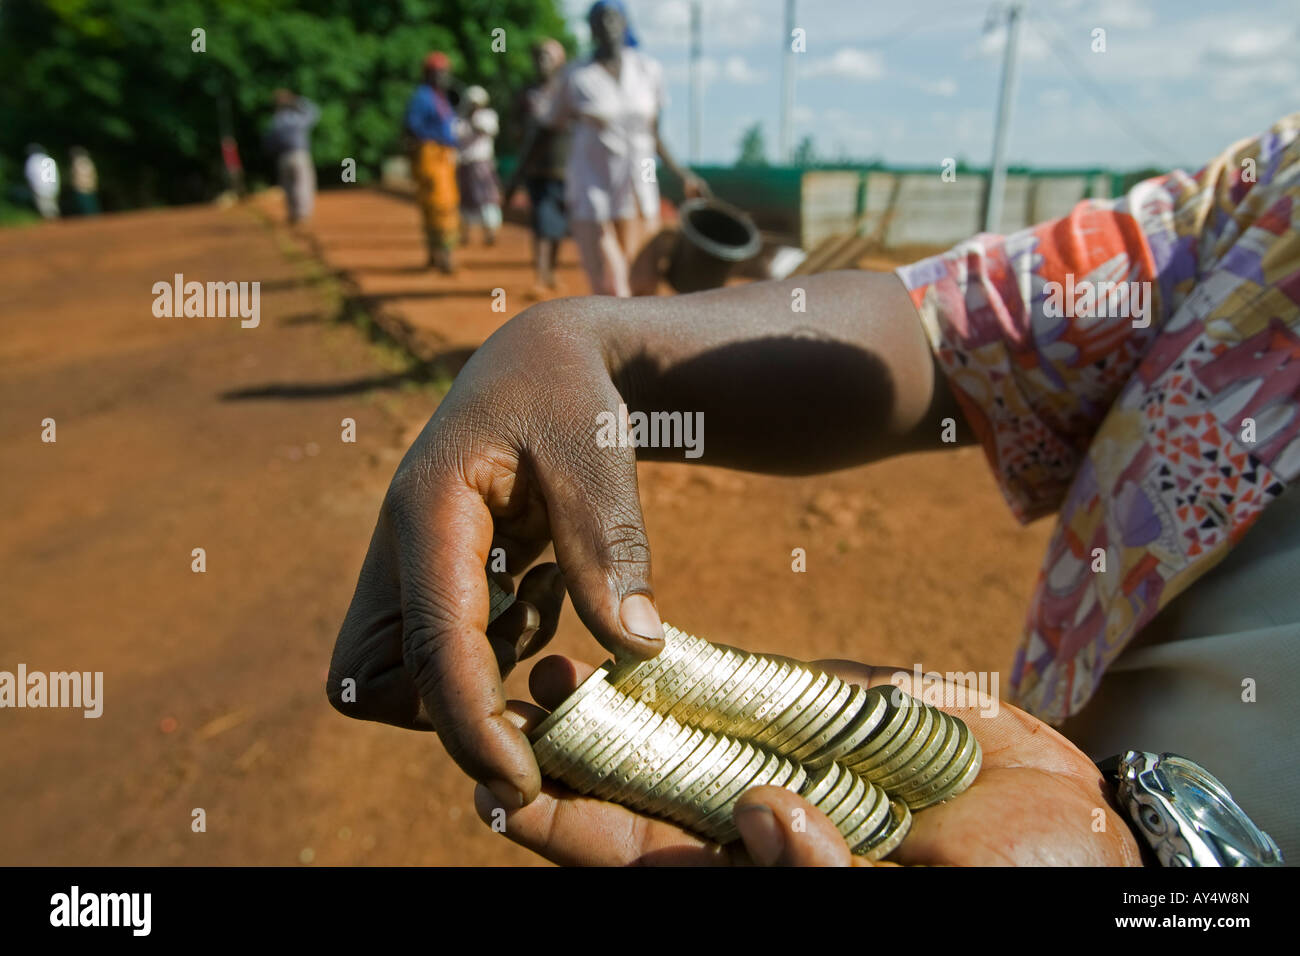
913,751
684,734
602,742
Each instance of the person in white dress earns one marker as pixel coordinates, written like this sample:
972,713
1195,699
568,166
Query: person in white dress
611,103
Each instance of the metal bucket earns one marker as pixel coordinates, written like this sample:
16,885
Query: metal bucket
713,236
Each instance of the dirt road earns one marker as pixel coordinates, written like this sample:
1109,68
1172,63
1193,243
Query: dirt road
184,433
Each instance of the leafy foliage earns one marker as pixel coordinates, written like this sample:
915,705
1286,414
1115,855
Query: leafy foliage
753,148
121,78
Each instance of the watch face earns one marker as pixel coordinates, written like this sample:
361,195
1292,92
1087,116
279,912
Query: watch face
1202,797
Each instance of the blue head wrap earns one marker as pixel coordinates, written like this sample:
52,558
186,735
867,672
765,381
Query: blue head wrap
629,37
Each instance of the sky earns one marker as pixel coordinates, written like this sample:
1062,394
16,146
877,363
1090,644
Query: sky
916,81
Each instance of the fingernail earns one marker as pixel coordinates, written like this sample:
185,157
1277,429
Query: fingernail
521,644
640,617
761,833
507,793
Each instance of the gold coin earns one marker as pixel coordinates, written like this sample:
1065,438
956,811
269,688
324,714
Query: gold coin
729,782
658,751
769,776
866,817
764,709
904,773
764,671
585,717
841,811
579,748
965,778
683,703
608,772
668,790
826,707
794,717
929,794
837,793
907,748
779,721
836,721
661,689
723,759
821,783
666,749
938,763
719,824
880,748
965,768
893,833
595,682
722,683
870,713
639,678
711,671
895,714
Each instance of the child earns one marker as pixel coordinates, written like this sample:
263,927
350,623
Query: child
480,193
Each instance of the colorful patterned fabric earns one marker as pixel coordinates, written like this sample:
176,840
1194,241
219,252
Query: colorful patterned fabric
1159,434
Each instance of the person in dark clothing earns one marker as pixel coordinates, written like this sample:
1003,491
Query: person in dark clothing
541,171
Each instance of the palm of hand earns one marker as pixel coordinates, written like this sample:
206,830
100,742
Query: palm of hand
1038,800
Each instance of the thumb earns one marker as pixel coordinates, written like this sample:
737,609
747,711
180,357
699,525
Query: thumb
600,540
781,828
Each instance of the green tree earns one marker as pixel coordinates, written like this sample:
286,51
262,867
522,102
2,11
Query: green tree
121,78
805,154
753,150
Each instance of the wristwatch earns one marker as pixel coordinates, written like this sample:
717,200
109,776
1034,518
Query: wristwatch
1184,814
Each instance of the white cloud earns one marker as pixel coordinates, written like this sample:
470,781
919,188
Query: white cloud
1054,98
944,87
734,69
847,64
738,70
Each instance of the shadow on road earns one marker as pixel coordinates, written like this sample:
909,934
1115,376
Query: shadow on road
439,370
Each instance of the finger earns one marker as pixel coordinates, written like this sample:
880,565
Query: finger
543,589
781,828
443,530
513,630
582,831
367,677
554,678
573,830
600,539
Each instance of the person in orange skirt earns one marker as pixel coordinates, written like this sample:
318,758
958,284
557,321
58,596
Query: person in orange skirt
430,123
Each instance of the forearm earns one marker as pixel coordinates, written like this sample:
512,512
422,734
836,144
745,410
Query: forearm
850,380
673,166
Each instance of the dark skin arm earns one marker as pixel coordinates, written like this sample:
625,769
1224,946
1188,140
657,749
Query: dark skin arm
510,460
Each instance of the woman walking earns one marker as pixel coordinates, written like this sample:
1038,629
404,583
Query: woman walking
430,122
611,102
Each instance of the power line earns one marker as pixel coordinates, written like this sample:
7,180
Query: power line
911,26
1110,105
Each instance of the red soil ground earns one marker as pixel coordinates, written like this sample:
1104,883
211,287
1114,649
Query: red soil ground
214,682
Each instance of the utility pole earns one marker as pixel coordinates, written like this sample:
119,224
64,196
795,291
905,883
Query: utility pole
997,181
695,81
787,86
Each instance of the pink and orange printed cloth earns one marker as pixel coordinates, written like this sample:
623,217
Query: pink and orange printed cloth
1161,434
